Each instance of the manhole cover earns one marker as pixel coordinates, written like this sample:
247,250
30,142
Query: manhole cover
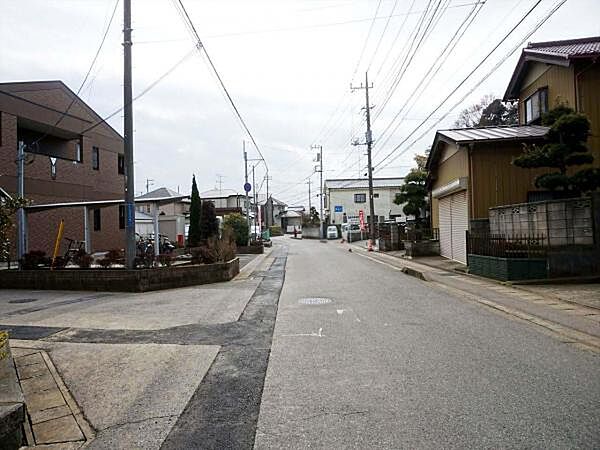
314,301
23,300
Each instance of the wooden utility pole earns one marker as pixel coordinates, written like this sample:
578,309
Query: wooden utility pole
369,144
130,247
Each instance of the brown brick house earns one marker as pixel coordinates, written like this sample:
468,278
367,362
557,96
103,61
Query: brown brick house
66,161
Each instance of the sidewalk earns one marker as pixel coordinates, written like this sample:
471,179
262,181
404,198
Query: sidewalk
577,323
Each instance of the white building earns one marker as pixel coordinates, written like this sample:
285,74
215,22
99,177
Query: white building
345,198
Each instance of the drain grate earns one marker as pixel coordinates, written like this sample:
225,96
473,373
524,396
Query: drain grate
23,300
314,301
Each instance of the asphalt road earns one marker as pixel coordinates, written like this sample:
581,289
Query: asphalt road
392,362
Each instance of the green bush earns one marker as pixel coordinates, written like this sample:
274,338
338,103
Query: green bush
275,230
239,227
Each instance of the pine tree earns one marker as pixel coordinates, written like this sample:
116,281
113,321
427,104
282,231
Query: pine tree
414,192
565,146
194,231
209,224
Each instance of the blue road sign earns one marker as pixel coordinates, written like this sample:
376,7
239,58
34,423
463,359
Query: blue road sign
339,208
247,187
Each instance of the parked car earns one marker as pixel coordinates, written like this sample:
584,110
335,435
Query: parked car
332,232
348,228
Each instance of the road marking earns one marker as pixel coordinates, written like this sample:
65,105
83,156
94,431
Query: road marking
318,334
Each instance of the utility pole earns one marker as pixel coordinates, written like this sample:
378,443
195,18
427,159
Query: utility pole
130,248
309,204
369,144
320,159
255,205
149,182
268,213
245,185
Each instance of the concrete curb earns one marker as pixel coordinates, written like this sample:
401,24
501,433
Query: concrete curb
12,400
415,273
249,268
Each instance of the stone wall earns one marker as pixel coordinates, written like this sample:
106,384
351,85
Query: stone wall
310,232
120,280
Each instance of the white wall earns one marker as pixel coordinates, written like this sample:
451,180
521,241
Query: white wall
345,198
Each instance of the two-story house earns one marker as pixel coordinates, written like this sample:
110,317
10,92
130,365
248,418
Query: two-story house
470,169
345,198
71,155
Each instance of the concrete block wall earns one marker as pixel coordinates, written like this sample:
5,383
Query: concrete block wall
561,222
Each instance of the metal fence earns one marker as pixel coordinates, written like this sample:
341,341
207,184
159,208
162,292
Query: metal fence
501,246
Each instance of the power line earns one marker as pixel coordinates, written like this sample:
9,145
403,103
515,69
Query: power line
400,75
395,38
439,62
381,35
529,33
63,115
143,92
201,47
366,40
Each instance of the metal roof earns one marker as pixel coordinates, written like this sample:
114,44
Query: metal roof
218,193
466,135
559,53
160,192
103,203
360,183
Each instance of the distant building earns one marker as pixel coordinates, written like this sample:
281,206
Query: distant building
68,159
172,217
226,201
345,198
271,210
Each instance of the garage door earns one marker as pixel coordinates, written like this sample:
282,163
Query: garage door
454,222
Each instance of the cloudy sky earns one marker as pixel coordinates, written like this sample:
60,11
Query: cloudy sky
288,65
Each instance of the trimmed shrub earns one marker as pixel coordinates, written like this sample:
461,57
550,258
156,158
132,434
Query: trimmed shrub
238,226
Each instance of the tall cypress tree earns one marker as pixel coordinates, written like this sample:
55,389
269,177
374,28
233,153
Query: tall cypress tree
209,224
194,235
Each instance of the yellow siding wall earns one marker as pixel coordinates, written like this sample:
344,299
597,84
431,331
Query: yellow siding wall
454,163
495,181
560,83
588,90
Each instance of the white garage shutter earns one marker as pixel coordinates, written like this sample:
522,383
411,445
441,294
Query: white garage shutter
460,224
445,219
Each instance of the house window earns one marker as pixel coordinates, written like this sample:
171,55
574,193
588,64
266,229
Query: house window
95,158
360,198
53,168
78,153
121,164
97,220
121,217
148,209
536,105
375,195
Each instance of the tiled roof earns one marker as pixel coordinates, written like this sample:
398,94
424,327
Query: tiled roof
363,183
466,135
560,53
569,49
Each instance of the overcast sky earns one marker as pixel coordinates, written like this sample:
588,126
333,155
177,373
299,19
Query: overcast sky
288,65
